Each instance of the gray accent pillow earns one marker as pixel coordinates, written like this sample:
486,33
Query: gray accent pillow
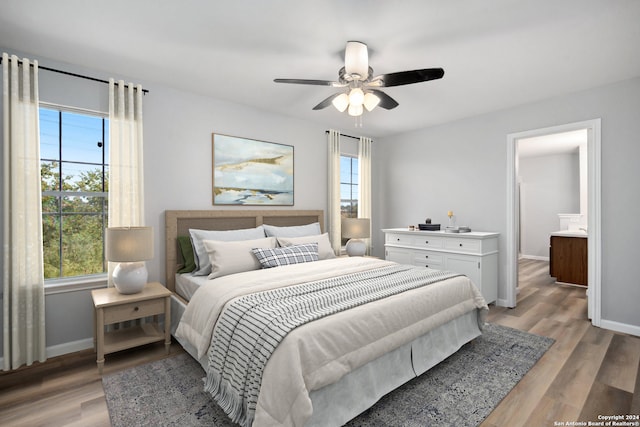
203,264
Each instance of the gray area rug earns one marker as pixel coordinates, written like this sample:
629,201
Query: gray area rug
461,391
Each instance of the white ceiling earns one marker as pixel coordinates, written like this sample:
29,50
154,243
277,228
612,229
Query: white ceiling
496,53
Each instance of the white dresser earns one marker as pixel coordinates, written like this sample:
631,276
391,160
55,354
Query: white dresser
473,254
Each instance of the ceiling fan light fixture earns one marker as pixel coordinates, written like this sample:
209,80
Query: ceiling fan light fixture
371,101
358,88
356,96
341,102
356,59
355,110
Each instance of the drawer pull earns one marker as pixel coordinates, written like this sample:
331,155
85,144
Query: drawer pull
426,242
426,256
460,244
135,308
427,266
398,239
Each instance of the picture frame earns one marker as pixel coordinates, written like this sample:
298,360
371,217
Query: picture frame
251,172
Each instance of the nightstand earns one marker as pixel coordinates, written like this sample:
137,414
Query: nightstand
113,307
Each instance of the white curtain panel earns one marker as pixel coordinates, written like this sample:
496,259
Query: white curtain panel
364,183
126,172
23,272
334,216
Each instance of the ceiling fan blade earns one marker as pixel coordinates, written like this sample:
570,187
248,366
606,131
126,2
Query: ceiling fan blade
386,101
409,77
309,82
326,102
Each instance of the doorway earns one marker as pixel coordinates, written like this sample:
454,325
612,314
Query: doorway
592,128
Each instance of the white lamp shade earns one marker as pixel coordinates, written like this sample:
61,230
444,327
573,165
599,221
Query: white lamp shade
355,110
341,102
356,59
356,96
371,101
129,244
356,228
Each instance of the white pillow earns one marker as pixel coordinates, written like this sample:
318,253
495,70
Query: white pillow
203,264
325,251
235,257
293,231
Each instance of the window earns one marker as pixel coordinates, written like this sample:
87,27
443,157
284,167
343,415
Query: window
349,186
73,164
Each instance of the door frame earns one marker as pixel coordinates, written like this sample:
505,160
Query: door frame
593,211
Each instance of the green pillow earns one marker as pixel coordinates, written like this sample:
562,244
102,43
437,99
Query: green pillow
187,254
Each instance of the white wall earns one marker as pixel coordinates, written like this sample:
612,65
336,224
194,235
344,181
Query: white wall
549,185
461,166
177,157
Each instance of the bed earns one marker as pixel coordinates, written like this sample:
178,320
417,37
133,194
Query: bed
329,370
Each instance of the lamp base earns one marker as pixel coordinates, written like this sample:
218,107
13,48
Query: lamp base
130,277
356,247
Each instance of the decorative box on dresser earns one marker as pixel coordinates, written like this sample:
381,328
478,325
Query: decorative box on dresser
474,254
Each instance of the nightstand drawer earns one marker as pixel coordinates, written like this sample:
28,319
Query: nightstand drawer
133,310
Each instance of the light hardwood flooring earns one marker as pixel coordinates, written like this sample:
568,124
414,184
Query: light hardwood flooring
587,372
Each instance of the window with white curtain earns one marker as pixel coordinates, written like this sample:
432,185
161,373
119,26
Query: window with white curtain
74,153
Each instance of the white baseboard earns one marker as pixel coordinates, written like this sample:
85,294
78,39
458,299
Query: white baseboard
69,347
620,327
535,257
60,349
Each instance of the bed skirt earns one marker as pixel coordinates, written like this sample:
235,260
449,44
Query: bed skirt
357,391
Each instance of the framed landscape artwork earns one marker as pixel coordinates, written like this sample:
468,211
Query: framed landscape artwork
251,172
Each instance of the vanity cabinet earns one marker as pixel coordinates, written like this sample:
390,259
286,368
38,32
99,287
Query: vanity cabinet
473,254
568,260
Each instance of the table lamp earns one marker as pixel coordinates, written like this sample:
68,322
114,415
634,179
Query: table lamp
130,247
356,229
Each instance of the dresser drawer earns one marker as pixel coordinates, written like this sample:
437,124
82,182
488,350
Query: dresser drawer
429,242
399,239
428,259
471,246
133,310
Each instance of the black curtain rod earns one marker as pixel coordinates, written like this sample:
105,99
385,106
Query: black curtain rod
144,91
348,136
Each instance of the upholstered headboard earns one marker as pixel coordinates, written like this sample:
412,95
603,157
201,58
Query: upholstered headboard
178,223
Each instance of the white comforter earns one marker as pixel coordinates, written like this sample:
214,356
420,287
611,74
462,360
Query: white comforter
321,352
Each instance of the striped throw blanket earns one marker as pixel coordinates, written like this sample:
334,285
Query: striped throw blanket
251,326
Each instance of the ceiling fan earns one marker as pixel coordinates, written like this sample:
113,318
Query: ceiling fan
360,87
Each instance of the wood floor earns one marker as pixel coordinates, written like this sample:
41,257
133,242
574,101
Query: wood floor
587,372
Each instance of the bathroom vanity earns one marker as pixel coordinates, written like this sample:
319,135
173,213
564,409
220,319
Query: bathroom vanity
568,257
